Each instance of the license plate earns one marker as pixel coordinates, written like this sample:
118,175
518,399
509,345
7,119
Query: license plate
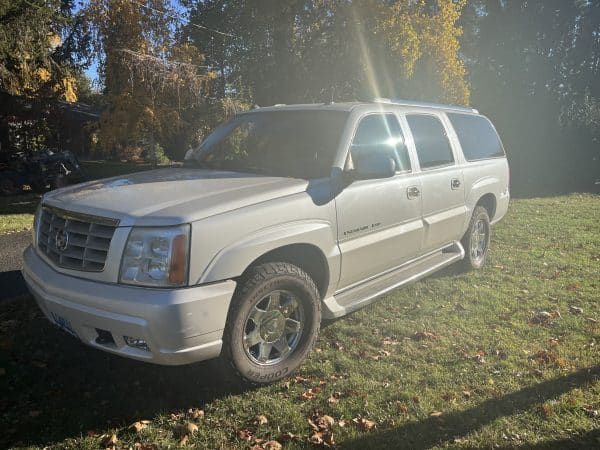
64,324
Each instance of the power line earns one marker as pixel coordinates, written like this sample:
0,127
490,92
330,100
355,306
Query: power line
180,17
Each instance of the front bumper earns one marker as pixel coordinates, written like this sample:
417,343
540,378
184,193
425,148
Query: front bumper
180,326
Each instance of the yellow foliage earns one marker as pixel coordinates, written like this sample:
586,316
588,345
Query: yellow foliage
43,74
54,40
69,89
412,32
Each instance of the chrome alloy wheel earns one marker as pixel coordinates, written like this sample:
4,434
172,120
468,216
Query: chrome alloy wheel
273,328
478,240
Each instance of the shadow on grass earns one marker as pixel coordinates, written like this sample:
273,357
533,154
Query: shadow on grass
439,430
54,387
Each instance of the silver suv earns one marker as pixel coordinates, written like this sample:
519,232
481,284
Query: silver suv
283,216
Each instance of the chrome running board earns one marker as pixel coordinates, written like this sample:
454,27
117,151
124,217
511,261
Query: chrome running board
349,300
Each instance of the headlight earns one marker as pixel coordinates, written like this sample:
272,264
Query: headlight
36,224
156,256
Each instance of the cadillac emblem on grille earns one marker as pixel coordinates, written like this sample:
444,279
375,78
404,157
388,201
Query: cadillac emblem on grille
61,240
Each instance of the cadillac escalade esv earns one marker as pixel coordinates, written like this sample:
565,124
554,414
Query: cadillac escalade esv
283,216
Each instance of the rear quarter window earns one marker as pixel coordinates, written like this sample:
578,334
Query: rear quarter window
477,136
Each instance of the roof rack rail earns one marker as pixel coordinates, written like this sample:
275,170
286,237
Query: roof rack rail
399,101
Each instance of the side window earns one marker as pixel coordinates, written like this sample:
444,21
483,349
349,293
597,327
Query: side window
433,147
381,131
477,136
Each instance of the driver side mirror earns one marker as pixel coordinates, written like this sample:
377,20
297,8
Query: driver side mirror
373,163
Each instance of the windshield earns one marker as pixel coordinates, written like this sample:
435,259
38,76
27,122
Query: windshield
300,144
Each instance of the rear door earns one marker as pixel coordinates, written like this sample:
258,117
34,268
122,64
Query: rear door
379,220
443,192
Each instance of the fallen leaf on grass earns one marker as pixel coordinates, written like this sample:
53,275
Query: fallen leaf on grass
546,410
553,342
334,398
244,435
272,445
424,335
311,393
191,428
575,309
110,440
184,440
324,438
321,423
260,420
467,394
364,424
196,413
390,341
547,357
545,317
140,425
403,409
287,436
435,414
591,412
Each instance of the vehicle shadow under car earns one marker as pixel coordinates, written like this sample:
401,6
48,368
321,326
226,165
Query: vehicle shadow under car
54,387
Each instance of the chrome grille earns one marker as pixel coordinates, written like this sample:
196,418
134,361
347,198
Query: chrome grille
75,241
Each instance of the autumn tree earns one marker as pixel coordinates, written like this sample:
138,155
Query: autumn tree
42,48
315,50
155,85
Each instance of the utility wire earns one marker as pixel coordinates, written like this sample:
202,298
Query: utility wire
180,17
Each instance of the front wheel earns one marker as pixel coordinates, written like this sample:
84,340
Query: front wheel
476,240
273,322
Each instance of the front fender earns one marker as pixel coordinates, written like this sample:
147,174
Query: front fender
233,260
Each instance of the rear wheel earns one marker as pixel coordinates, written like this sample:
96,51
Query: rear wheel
273,322
476,240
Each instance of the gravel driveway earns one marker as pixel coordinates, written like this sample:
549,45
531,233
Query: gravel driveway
11,262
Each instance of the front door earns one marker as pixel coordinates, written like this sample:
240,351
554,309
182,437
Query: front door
379,220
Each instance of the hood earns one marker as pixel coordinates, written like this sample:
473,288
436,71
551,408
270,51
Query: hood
171,196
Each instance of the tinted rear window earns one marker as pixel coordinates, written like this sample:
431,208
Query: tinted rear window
433,147
477,136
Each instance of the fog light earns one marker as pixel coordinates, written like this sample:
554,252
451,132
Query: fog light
136,343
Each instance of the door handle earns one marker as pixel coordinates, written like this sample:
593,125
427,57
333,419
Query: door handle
455,183
412,192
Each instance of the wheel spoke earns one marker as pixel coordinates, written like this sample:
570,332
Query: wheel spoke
289,308
282,346
292,326
274,301
252,338
256,315
264,351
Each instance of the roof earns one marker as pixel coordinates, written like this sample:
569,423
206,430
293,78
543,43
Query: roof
349,106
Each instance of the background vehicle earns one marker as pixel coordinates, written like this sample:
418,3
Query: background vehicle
43,170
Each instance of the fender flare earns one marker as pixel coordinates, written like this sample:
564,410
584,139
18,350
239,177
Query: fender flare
233,260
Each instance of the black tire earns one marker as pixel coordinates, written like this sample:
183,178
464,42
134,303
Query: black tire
297,300
476,240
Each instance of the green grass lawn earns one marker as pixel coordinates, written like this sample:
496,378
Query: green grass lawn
506,357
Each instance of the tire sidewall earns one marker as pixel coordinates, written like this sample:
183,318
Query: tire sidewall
245,300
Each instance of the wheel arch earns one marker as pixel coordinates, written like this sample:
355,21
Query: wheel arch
489,202
309,245
308,257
